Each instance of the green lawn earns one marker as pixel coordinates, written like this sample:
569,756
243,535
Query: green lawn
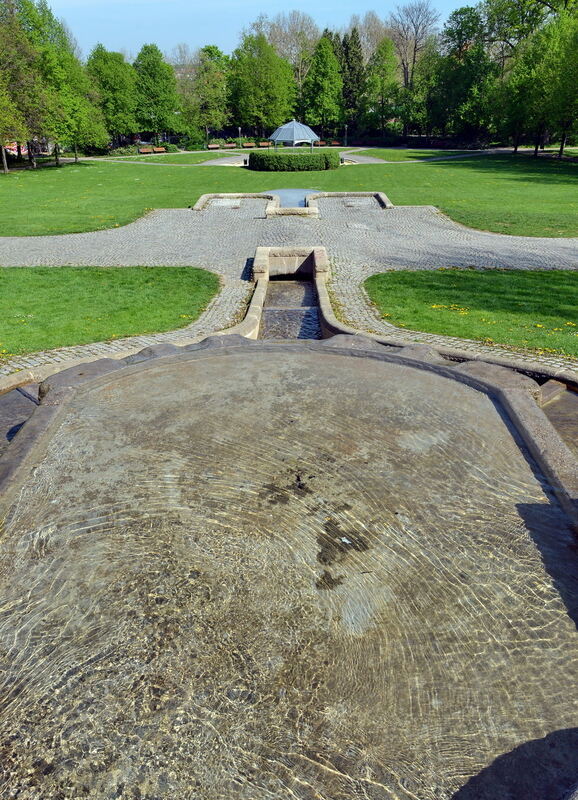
403,154
506,194
521,309
208,155
180,158
46,307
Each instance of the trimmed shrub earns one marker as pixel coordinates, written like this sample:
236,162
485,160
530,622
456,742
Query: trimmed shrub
170,147
127,150
293,162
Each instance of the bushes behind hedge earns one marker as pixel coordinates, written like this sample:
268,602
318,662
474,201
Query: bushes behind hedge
293,162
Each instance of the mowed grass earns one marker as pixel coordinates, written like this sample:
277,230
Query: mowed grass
522,309
179,158
208,155
403,154
505,194
46,307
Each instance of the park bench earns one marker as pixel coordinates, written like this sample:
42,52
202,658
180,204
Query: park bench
229,145
248,144
159,149
145,151
212,147
335,144
263,144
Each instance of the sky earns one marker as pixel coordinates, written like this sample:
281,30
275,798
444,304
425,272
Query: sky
126,25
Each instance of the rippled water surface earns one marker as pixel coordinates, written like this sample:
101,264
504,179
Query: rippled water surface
284,573
291,311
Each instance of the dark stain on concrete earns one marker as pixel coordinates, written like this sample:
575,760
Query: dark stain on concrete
335,542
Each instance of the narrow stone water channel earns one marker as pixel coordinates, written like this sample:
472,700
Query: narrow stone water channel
291,311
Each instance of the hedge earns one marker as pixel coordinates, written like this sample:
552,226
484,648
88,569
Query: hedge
293,162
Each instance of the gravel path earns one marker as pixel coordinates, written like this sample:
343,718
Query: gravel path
361,239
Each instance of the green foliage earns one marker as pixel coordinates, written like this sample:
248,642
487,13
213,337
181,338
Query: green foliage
354,76
128,150
293,162
382,95
322,89
115,80
12,124
262,85
210,88
156,92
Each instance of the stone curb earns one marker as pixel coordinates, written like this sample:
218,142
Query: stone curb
274,208
381,198
514,395
331,326
205,199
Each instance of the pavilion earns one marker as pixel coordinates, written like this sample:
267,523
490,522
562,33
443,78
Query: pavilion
293,133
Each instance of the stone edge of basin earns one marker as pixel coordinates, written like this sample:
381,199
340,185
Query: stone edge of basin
514,393
274,208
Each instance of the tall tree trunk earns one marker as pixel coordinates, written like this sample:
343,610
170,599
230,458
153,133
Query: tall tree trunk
31,156
57,155
516,141
75,153
562,143
536,146
19,151
4,161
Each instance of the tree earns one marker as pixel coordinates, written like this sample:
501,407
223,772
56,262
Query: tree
115,80
12,125
20,66
294,36
463,28
262,85
323,87
156,92
372,31
354,76
411,26
382,85
69,99
337,43
210,88
561,68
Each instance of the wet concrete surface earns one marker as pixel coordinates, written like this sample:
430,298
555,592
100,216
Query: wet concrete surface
563,414
278,572
15,408
291,311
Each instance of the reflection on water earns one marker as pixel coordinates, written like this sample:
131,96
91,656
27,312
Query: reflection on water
290,576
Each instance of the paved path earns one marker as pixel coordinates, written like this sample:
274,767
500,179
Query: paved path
361,239
224,158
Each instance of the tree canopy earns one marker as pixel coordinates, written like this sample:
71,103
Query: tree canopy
497,70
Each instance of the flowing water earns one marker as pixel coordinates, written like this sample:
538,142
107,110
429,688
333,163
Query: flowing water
563,414
279,571
291,311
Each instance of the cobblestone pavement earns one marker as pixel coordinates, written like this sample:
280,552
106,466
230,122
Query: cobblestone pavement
361,239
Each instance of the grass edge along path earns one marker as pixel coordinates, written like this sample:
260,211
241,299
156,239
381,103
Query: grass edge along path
534,311
502,194
44,308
